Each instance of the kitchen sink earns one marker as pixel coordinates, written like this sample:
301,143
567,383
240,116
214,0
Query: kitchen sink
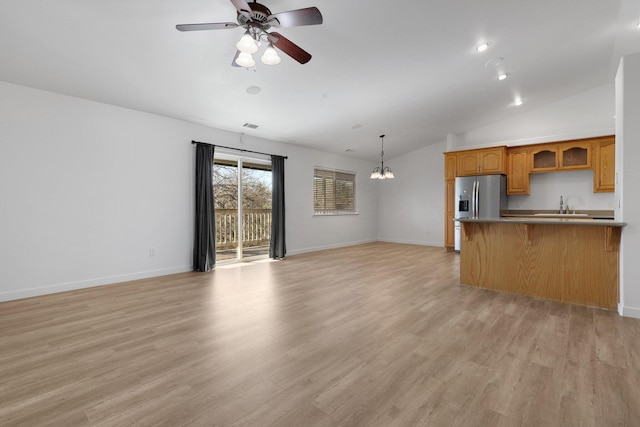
564,215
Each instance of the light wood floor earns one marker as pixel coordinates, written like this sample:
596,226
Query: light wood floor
374,335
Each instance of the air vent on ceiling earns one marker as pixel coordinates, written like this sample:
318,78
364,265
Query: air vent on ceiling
250,126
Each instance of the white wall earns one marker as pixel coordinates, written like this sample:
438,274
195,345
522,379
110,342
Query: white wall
628,174
412,204
86,189
586,114
576,187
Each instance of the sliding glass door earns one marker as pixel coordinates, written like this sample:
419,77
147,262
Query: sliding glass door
242,191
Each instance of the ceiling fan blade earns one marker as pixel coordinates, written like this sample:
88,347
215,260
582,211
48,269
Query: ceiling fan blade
295,18
211,26
243,7
290,48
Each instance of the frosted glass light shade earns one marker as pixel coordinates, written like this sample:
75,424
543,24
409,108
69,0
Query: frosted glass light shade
247,44
270,56
245,60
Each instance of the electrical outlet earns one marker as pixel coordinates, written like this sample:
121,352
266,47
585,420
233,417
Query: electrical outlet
152,251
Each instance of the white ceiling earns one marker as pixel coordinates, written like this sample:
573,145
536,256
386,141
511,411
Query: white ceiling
408,68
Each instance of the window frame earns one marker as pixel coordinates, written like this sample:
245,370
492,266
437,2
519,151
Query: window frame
335,174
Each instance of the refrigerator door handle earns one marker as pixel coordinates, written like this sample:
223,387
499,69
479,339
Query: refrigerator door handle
473,199
477,198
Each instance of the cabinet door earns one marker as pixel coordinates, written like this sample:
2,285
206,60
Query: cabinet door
604,173
518,171
575,156
450,164
492,161
450,211
544,159
468,163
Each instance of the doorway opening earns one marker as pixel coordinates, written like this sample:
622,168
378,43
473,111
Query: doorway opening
242,189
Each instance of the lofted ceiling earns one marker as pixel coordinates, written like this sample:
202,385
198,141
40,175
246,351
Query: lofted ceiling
407,69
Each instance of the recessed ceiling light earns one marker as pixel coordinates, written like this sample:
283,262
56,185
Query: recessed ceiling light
483,46
503,76
253,90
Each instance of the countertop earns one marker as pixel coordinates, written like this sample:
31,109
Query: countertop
578,220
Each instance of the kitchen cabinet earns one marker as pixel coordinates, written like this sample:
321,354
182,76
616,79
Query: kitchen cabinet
450,212
518,170
483,161
544,158
450,166
604,171
563,156
450,162
575,155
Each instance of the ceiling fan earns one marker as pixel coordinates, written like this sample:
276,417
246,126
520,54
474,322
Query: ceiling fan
256,19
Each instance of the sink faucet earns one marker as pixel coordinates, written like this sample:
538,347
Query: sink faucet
561,205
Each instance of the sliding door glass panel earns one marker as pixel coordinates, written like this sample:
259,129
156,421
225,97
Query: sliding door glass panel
256,209
243,209
225,190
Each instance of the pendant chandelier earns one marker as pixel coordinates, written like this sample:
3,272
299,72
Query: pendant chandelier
380,172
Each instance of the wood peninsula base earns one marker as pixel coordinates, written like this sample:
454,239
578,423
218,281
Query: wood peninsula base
558,260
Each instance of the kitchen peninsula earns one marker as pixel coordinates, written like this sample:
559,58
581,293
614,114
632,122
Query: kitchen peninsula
563,259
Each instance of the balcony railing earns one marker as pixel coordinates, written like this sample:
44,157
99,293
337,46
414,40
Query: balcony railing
256,228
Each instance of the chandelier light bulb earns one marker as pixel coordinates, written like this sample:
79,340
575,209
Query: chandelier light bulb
247,44
245,60
270,56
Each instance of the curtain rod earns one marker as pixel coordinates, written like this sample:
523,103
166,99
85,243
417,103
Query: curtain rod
238,149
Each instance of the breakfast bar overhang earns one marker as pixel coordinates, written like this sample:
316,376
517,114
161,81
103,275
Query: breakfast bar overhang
560,259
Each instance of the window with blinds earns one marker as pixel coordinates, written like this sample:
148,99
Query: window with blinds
334,192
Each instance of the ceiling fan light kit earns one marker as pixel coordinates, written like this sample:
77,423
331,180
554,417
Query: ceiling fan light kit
247,44
256,19
245,59
270,56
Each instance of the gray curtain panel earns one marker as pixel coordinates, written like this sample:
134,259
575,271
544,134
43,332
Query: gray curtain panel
277,247
204,246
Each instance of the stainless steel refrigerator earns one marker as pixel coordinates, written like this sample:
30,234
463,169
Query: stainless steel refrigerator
483,196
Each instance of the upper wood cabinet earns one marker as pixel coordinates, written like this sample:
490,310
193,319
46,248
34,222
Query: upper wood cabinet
562,156
544,158
518,170
450,164
484,161
604,170
575,155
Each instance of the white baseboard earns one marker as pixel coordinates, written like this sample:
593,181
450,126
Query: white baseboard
413,242
324,248
629,312
71,286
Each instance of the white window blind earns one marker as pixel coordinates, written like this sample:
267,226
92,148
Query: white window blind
334,192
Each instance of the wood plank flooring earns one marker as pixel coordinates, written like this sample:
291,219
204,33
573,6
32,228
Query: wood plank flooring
379,334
